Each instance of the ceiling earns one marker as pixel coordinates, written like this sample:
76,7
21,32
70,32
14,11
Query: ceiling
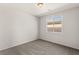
32,9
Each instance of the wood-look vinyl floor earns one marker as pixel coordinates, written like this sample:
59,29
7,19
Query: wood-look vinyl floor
40,47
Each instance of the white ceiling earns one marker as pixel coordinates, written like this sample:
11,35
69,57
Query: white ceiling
32,9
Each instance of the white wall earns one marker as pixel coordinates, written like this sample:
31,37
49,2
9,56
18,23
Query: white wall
16,27
70,35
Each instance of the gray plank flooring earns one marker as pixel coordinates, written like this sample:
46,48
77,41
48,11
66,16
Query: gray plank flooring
40,47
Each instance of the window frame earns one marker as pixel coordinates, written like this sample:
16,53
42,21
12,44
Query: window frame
49,18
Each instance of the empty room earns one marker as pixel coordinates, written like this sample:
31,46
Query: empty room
39,28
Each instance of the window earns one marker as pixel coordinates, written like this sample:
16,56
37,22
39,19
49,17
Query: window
54,24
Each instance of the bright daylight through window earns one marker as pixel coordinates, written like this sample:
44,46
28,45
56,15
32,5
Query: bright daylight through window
54,24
